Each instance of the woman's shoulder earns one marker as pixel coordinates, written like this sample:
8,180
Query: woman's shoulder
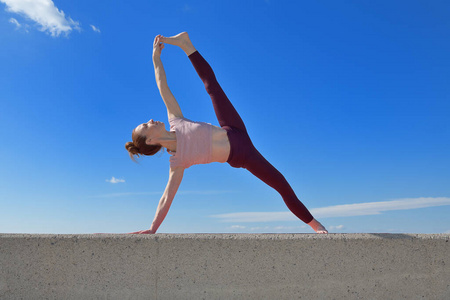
182,122
174,119
178,119
177,123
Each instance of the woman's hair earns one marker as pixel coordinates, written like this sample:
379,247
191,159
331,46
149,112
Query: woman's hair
139,147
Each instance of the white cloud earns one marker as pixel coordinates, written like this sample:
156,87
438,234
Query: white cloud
289,228
45,13
114,195
338,227
376,208
115,180
346,210
259,228
238,227
128,194
256,217
96,29
204,192
278,229
15,22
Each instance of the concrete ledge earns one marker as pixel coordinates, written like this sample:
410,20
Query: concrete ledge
225,266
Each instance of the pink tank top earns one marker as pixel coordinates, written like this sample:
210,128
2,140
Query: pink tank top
194,142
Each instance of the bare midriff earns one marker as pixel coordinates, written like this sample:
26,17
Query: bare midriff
220,145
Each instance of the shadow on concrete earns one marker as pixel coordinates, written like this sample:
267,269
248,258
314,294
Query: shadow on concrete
393,235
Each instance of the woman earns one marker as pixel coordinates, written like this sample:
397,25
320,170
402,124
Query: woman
192,143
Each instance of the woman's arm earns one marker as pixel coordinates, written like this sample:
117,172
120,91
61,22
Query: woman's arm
175,177
173,108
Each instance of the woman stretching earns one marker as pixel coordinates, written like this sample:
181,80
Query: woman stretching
192,143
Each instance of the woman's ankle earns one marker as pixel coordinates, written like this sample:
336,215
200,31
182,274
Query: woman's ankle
188,49
317,226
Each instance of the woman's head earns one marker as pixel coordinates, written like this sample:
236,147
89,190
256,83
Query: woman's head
145,139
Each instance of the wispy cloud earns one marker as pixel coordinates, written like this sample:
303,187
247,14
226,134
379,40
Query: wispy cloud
337,227
205,192
238,227
346,210
115,180
277,229
15,22
256,217
45,14
257,228
376,208
96,29
129,194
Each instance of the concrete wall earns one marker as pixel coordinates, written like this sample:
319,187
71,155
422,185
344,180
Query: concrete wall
225,266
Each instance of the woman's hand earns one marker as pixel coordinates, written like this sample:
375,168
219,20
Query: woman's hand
157,46
148,231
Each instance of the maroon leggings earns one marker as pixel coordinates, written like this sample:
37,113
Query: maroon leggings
242,153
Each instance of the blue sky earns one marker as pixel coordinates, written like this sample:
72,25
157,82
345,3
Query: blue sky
348,99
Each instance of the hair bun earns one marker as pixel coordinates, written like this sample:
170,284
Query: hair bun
131,147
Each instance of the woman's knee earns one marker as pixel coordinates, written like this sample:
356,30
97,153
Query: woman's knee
212,86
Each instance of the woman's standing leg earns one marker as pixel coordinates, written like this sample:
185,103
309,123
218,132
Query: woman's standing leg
262,169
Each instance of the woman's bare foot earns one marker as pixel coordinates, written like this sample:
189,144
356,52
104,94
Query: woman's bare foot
148,231
181,40
317,227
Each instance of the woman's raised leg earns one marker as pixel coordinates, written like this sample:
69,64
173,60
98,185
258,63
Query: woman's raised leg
225,111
